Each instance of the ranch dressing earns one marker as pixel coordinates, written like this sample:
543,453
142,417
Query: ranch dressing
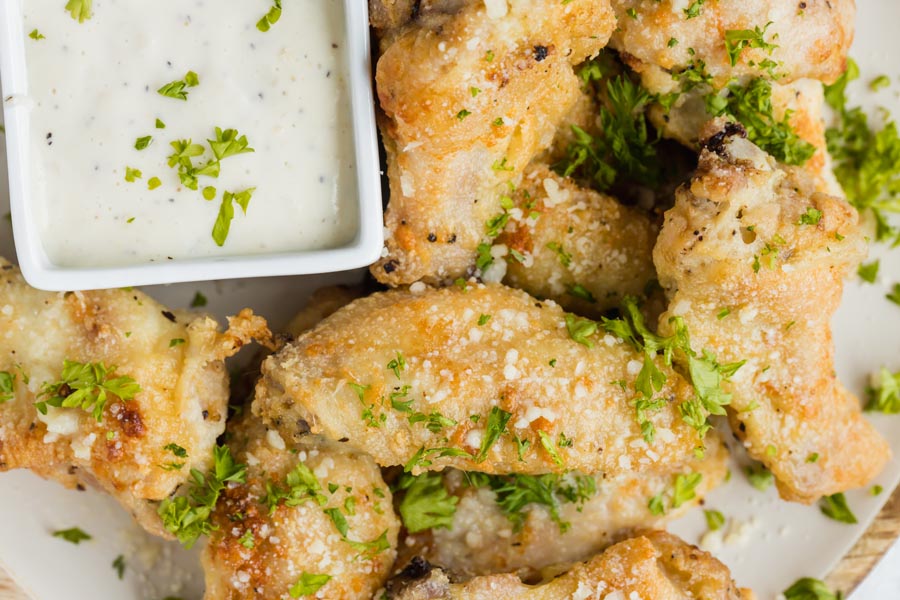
93,93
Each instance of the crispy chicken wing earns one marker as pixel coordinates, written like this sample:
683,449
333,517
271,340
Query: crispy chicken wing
812,39
578,247
484,378
484,93
336,522
654,565
754,264
175,357
482,539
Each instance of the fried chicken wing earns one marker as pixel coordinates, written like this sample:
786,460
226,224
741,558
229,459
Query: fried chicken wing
312,519
579,520
653,565
754,265
580,248
482,379
485,93
660,38
176,359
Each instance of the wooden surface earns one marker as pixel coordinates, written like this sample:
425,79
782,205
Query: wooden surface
848,574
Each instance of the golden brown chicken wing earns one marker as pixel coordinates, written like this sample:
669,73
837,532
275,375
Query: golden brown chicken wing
312,520
484,378
467,105
578,247
734,40
753,262
524,524
652,565
112,389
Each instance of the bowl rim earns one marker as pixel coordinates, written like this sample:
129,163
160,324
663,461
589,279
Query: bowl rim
363,250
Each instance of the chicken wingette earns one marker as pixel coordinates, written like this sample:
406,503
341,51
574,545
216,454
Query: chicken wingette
485,92
111,389
477,377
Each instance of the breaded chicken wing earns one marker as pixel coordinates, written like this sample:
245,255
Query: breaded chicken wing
165,383
654,565
482,379
466,107
484,539
313,519
811,40
575,246
754,265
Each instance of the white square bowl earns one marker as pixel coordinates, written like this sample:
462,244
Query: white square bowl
41,273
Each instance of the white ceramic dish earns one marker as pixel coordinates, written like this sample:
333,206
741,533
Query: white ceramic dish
781,543
40,272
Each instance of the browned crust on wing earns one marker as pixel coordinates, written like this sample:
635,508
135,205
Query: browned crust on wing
458,368
782,282
448,157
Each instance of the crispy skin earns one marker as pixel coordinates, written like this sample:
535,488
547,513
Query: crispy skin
606,248
457,368
780,316
812,43
482,540
653,565
324,302
183,397
448,168
804,98
298,539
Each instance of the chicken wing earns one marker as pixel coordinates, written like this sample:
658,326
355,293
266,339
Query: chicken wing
152,385
486,92
569,519
484,378
312,519
652,565
570,244
754,265
811,40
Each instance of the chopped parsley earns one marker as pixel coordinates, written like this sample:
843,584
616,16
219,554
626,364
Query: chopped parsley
397,364
176,342
131,175
515,493
188,517
812,216
309,583
266,22
759,477
885,397
426,504
581,329
866,162
496,426
693,10
119,565
226,213
143,142
738,39
7,386
704,372
86,386
160,124
301,485
73,535
715,520
199,300
483,319
463,114
879,83
176,89
876,490
684,489
36,35
835,507
80,10
869,272
808,588
247,540
565,258
372,548
547,443
626,149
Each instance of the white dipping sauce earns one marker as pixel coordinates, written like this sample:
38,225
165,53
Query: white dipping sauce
93,90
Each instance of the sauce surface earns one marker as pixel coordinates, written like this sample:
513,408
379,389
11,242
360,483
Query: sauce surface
93,92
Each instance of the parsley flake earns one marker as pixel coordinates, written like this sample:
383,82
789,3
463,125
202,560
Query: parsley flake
176,89
309,583
73,535
86,386
426,503
270,18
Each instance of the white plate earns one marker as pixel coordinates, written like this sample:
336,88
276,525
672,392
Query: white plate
784,542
